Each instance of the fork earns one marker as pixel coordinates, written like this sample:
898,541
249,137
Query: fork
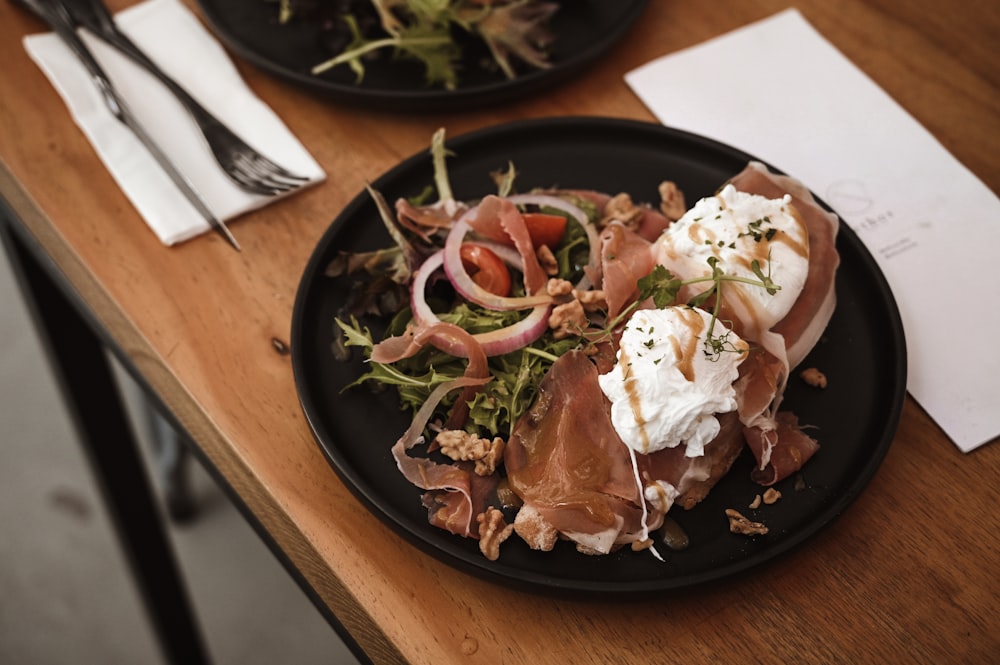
54,13
244,165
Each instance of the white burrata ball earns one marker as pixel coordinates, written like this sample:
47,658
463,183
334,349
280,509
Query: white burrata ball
668,385
738,229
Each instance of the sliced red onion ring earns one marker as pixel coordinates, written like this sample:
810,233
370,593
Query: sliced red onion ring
549,201
495,342
467,288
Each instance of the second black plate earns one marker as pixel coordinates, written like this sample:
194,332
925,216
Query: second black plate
862,353
584,29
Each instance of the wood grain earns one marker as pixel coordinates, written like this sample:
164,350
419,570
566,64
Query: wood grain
907,574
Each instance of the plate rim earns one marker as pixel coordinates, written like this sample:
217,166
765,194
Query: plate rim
531,580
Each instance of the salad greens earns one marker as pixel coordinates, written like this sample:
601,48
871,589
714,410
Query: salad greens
430,31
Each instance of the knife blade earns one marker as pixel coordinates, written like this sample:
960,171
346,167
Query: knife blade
58,18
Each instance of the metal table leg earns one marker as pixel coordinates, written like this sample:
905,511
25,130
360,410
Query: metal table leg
91,394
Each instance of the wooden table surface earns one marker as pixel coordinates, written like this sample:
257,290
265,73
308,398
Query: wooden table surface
907,574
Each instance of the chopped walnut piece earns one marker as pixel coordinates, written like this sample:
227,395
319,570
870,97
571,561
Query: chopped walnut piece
771,495
558,287
493,530
740,524
535,530
591,300
755,503
814,377
567,319
672,203
547,260
463,446
621,209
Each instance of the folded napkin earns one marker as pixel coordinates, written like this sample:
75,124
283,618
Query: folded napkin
173,38
778,90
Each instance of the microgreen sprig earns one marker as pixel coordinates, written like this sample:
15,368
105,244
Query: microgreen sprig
663,287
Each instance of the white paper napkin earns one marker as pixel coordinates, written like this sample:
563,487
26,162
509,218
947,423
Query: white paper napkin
173,38
778,90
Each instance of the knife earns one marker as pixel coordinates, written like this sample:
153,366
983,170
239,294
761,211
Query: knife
58,18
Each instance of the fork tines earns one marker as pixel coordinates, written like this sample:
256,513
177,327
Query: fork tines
260,175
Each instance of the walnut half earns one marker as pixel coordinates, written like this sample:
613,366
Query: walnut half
567,319
620,208
672,203
493,530
462,446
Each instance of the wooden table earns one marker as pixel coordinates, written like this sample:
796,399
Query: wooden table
908,573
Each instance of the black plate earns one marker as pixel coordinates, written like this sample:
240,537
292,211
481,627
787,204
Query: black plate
862,354
585,30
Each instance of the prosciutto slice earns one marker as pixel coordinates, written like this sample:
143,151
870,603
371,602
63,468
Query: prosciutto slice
670,477
778,444
455,495
577,479
781,451
568,465
650,224
803,325
626,257
446,335
499,219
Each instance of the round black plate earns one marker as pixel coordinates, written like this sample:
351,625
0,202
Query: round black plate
585,30
855,418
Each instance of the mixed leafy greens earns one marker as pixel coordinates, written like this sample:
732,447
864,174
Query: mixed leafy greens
433,32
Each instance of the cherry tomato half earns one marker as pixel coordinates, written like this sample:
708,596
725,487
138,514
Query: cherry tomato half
545,229
486,269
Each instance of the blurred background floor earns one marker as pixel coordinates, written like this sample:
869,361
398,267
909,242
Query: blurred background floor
65,593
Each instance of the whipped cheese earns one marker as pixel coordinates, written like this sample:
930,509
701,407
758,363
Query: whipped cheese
738,228
668,385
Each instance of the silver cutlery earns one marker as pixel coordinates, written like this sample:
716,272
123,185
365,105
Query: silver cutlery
56,16
248,168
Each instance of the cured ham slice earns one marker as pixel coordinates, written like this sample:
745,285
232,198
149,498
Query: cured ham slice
455,495
576,477
500,220
626,257
669,477
447,335
780,452
779,446
803,325
568,465
646,221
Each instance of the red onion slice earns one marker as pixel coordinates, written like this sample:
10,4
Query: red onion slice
467,288
495,342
